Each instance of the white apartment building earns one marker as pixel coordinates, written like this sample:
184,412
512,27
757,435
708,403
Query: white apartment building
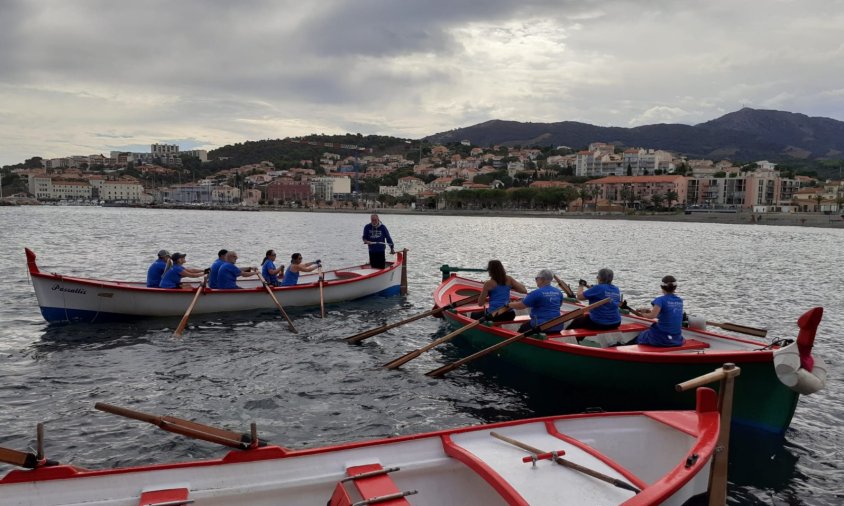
164,150
49,188
322,188
118,191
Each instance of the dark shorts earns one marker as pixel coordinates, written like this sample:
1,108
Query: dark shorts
507,316
584,322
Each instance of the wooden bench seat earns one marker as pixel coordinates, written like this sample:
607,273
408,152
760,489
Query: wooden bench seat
373,483
689,344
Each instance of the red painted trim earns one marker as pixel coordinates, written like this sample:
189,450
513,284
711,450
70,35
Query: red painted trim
709,427
504,489
632,478
123,285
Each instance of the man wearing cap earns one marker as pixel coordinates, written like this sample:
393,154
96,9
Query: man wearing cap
157,268
173,277
229,272
668,309
606,317
215,268
544,303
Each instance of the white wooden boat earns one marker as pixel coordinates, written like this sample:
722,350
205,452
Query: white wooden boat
666,455
74,299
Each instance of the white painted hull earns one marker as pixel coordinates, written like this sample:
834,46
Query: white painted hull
71,299
463,466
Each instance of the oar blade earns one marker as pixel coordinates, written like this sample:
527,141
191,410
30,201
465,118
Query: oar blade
743,329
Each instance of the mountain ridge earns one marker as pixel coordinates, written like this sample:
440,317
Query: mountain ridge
744,135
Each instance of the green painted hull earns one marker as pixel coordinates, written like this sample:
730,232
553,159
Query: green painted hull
761,400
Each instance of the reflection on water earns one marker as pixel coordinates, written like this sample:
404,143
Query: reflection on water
312,388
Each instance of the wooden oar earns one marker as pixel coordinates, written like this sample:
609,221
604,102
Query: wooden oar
436,373
277,303
433,312
565,287
742,329
184,322
624,305
567,463
18,458
186,428
321,293
415,353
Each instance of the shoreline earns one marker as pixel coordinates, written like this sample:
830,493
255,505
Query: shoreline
816,220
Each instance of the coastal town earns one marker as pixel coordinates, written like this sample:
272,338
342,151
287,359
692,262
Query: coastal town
602,178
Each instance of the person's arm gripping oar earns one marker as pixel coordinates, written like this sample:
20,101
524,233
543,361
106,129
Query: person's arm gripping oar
432,312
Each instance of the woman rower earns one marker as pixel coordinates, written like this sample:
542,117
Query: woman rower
268,269
291,275
498,287
173,277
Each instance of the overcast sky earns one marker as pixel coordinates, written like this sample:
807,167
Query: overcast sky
85,77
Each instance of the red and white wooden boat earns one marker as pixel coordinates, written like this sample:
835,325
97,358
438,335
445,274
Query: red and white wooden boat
665,455
73,299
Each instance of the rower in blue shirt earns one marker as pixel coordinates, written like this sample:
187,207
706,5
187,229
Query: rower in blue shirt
173,277
215,268
157,268
606,317
668,309
291,275
229,272
268,269
544,303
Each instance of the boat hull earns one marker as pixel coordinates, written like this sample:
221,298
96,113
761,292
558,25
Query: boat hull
65,299
762,402
460,466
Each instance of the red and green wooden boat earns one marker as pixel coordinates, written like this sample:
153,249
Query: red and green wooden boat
772,379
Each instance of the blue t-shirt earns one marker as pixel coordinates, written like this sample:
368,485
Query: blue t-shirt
290,278
544,304
154,273
212,274
498,297
272,279
227,276
668,329
377,235
608,314
173,277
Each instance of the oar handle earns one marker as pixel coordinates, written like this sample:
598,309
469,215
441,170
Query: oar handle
565,287
18,458
717,375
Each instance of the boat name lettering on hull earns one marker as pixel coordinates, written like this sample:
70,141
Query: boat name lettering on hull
70,290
